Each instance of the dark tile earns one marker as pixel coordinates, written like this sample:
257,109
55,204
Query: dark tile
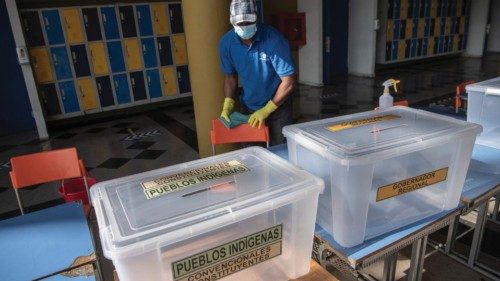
5,165
113,163
150,154
6,147
176,128
34,142
3,189
141,145
123,125
66,136
190,110
95,130
89,169
126,130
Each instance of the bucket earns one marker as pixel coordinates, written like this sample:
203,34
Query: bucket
74,190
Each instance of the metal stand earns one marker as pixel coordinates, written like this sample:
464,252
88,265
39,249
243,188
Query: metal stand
494,216
452,232
478,234
390,267
417,259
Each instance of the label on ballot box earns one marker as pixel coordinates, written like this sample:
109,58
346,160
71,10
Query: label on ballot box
360,122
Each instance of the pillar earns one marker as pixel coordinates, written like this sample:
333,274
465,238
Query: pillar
205,22
477,27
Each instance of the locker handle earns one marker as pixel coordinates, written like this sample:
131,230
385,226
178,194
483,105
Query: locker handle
164,78
99,87
68,26
92,55
121,16
139,15
81,91
104,19
35,62
159,46
46,21
85,19
63,94
126,51
155,13
171,14
149,79
74,56
144,48
54,57
116,84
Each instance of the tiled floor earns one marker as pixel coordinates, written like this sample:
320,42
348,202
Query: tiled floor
167,136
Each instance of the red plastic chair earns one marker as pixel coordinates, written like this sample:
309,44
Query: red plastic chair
458,93
220,134
43,167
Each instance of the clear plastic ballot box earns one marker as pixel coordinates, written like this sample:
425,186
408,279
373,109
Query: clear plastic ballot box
244,215
484,108
383,169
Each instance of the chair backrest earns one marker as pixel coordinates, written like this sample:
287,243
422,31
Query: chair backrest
220,134
461,87
47,166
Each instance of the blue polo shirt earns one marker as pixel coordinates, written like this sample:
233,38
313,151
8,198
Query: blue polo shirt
258,66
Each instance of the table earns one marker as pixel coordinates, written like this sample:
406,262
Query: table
41,243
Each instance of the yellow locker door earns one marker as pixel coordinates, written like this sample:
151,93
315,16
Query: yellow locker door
437,27
98,58
430,46
390,31
434,4
421,28
160,20
447,27
456,41
404,9
87,93
409,29
132,54
169,82
458,12
41,64
462,25
180,51
72,25
401,49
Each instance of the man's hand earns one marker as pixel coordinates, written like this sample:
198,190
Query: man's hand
258,117
227,108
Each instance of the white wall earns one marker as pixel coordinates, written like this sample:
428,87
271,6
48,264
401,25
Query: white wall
362,37
494,36
477,27
311,54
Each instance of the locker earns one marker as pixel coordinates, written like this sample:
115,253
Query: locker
165,51
80,60
460,41
32,28
180,51
458,8
444,8
437,27
115,52
388,51
109,23
50,102
447,30
419,46
149,52
432,27
402,30
127,21
409,9
121,88
439,7
455,25
416,8
443,26
464,42
389,36
401,49
175,13
69,97
436,45
404,9
87,93
413,48
104,91
425,44
53,28
427,28
397,9
144,20
397,30
461,28
434,8
452,10
161,25
138,85
72,25
441,44
422,8
444,40
421,28
407,48
409,29
41,64
395,47
92,24
154,84
61,63
456,43
132,54
415,28
98,58
183,78
390,9
169,81
427,8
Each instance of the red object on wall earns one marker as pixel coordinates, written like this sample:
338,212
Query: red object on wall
292,26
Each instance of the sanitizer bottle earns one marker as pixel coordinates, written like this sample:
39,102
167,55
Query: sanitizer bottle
386,100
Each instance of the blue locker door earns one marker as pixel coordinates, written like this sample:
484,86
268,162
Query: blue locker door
144,20
109,22
68,96
183,78
427,30
428,8
104,91
397,30
149,52
415,28
61,63
53,27
80,60
165,51
413,50
397,9
121,88
154,84
425,45
116,60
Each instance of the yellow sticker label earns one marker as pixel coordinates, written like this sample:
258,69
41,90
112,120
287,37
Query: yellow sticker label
360,122
231,257
168,184
411,184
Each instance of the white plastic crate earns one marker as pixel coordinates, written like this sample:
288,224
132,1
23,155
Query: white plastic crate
484,108
244,215
383,169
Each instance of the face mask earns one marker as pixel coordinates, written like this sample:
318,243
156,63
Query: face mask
246,32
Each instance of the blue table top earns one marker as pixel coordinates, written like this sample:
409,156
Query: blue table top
43,242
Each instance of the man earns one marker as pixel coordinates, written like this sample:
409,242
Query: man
260,57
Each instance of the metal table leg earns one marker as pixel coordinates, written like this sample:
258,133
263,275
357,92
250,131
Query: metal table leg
390,263
478,234
417,259
452,233
495,209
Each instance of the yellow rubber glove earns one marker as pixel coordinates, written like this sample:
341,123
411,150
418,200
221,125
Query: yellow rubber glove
258,117
227,108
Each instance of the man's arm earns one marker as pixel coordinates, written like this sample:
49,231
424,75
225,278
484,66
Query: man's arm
230,85
286,87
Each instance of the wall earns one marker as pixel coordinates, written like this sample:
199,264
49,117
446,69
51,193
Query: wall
477,27
362,37
15,109
494,36
311,54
